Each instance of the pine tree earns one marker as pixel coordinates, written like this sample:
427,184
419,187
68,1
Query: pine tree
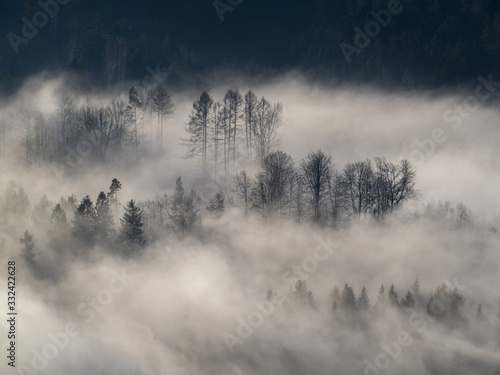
84,222
417,294
114,188
348,299
182,213
27,254
363,301
393,296
409,300
58,216
381,298
131,232
335,294
302,295
104,218
216,205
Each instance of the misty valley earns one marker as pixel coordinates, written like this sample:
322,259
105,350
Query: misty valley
232,231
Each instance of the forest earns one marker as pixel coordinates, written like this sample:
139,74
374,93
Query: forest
445,43
249,187
243,179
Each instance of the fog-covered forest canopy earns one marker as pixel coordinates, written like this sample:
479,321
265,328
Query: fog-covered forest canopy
250,187
309,246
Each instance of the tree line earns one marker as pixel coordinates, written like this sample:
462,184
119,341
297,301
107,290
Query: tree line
445,304
238,128
95,132
317,192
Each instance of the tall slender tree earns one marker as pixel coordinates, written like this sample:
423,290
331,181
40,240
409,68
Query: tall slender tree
131,233
198,129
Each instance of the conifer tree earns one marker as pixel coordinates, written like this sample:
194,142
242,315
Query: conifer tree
84,222
182,213
216,205
417,294
335,294
104,218
409,300
131,232
363,302
114,189
58,216
27,253
302,295
381,298
348,299
393,296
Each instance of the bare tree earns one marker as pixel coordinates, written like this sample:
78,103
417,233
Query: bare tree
356,188
251,103
316,173
265,136
164,107
394,185
198,129
271,194
243,185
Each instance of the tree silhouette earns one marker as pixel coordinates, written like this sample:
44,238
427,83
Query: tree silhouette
131,233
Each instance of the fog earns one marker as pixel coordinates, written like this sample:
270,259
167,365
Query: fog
181,307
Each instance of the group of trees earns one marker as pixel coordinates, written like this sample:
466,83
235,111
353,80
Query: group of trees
75,132
445,304
85,225
238,128
91,225
94,132
445,41
317,192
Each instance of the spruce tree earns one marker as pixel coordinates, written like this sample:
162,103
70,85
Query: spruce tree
182,211
84,222
348,299
417,294
114,188
335,294
131,232
363,303
104,218
216,205
409,300
381,298
27,254
58,216
393,296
